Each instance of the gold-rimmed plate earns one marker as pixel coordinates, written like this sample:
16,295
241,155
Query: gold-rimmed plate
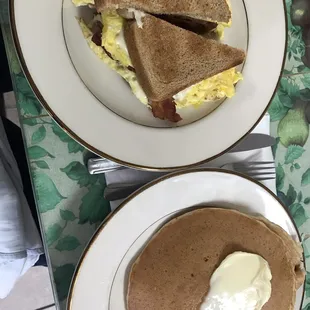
95,106
100,281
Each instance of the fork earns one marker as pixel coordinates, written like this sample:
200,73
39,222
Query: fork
258,170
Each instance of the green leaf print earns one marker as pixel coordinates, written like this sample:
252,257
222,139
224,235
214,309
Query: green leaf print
306,250
10,51
275,147
53,233
47,194
67,243
293,152
30,121
299,197
29,105
60,133
62,277
296,46
67,215
297,166
280,177
301,68
36,152
307,289
286,72
94,207
307,307
23,85
305,94
307,201
305,179
283,198
41,164
291,195
288,8
286,100
26,99
277,110
290,88
24,93
73,146
38,135
306,80
78,172
298,213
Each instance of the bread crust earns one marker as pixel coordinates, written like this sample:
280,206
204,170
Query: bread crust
208,10
168,59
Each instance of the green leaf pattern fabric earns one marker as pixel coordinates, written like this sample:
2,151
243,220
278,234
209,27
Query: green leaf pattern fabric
290,118
71,202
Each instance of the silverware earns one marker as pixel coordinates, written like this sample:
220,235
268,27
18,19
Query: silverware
259,170
251,142
102,165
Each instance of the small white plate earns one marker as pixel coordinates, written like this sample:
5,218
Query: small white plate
100,281
94,105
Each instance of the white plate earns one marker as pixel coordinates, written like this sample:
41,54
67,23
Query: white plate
118,96
101,278
95,106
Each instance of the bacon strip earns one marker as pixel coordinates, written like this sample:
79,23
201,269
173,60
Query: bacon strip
165,110
97,32
97,38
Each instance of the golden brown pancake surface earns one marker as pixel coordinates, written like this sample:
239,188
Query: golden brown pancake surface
174,269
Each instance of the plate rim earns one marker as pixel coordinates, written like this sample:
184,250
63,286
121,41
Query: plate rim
159,180
91,148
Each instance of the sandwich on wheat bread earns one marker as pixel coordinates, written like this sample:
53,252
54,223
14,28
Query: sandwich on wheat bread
204,10
168,59
174,269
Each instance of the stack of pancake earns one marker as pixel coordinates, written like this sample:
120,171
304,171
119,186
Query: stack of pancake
174,269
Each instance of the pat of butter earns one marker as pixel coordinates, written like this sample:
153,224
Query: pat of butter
241,282
138,16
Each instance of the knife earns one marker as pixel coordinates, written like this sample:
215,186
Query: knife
253,141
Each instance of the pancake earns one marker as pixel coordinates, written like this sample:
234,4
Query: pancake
294,250
174,269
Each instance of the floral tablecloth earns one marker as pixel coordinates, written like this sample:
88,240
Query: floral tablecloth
69,200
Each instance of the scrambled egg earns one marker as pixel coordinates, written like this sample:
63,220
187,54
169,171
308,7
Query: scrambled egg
113,37
83,2
128,75
221,26
214,88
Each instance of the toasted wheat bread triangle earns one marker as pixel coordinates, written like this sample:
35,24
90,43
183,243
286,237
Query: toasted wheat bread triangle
209,10
168,59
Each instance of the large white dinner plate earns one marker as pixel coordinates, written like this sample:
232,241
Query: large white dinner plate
94,105
101,278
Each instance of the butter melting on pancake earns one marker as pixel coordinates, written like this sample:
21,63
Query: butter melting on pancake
175,268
